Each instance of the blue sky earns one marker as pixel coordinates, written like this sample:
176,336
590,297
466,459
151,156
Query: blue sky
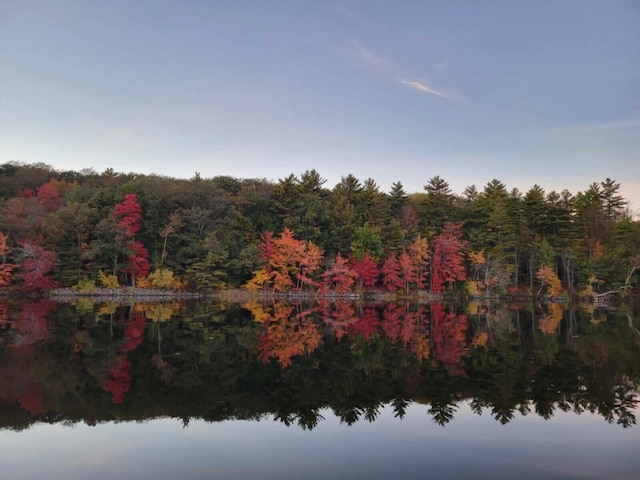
527,92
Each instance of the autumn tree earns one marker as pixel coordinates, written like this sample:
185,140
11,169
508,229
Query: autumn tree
129,216
37,264
418,252
407,272
548,279
340,277
448,257
392,273
289,263
367,270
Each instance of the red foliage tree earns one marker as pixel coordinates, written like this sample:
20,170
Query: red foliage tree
37,263
339,278
391,274
129,213
448,257
49,197
267,247
366,269
137,263
407,272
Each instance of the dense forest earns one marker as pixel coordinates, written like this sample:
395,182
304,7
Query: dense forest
87,229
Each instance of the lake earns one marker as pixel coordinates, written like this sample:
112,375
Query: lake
332,390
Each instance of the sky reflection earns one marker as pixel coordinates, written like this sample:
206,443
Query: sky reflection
566,446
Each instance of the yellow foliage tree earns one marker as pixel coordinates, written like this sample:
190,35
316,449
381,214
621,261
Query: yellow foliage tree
108,281
549,279
259,280
162,278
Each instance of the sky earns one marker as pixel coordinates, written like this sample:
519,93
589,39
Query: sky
543,92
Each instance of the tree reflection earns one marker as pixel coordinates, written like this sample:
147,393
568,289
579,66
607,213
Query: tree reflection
293,361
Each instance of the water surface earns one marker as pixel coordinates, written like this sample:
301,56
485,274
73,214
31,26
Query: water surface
198,390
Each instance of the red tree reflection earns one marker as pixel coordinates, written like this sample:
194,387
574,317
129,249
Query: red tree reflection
449,338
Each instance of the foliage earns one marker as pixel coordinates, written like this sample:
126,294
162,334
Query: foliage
108,281
37,263
162,278
448,257
210,232
339,278
85,286
550,280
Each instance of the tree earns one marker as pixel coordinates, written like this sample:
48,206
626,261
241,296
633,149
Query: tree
49,196
392,274
448,257
129,216
339,278
172,226
137,262
129,213
419,255
367,270
290,263
367,241
37,264
549,279
408,272
398,198
438,204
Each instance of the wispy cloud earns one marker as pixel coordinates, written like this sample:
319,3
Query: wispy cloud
424,88
384,67
373,61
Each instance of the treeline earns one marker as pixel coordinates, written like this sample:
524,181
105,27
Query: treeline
68,228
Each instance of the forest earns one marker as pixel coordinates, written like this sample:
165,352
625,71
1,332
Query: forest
86,230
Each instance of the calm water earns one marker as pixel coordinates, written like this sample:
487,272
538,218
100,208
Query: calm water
197,390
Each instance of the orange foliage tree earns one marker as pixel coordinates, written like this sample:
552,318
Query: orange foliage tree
290,263
549,279
419,254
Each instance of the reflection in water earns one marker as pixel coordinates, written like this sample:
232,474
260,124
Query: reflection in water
94,363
